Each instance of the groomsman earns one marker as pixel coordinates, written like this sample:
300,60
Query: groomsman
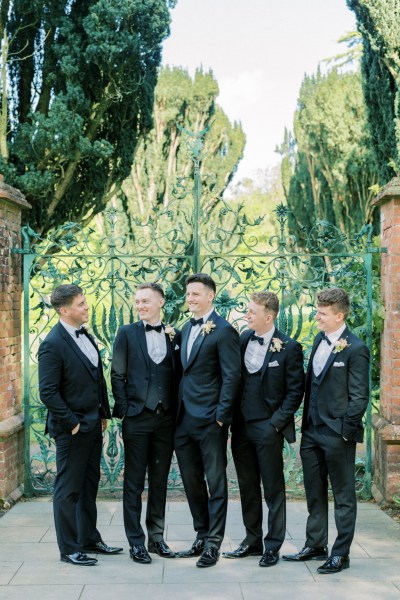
144,372
272,391
336,398
72,386
211,375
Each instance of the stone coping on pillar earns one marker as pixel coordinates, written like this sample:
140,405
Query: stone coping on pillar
11,425
388,431
389,191
12,195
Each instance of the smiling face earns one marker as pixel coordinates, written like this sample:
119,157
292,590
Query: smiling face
199,298
149,304
76,313
258,318
329,319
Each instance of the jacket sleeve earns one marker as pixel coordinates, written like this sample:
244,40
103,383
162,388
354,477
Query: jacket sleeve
358,391
230,361
50,377
119,368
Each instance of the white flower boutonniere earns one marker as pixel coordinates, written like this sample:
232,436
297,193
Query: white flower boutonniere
340,345
276,345
170,332
207,328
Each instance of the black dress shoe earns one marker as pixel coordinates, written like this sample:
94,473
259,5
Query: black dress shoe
269,558
140,555
161,549
334,564
308,553
78,558
196,549
209,558
102,548
243,551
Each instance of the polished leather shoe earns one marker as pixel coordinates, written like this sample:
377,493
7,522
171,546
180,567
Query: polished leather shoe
334,564
140,555
78,558
102,548
243,551
209,558
196,549
269,558
308,553
161,549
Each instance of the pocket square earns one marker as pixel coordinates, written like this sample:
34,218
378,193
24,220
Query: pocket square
176,347
274,363
338,364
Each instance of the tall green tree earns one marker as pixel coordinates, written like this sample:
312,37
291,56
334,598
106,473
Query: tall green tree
77,93
379,24
328,168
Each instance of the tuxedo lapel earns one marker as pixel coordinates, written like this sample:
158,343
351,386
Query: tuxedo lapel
171,346
332,356
68,339
317,340
195,348
269,354
142,341
185,337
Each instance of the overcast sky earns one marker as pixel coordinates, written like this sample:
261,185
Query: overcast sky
259,51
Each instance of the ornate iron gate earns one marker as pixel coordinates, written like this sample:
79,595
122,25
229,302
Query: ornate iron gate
197,231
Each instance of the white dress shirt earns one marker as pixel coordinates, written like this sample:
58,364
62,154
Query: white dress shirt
83,342
156,343
255,352
324,349
195,332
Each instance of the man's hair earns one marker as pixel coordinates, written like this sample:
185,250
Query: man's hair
204,279
156,287
269,300
64,294
337,298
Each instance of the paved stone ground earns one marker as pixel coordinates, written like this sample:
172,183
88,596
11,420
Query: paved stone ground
30,568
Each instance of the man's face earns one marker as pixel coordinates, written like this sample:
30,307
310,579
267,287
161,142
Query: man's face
76,313
199,298
258,318
328,319
149,304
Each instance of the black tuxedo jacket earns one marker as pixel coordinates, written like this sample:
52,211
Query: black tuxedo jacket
73,390
344,388
282,381
211,376
130,369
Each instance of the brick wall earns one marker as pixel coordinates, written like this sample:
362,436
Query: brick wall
12,203
387,423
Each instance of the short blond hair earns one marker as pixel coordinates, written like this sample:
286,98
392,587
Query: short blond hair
269,300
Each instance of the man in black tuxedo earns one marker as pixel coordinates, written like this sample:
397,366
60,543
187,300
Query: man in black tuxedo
211,375
72,386
272,391
144,376
337,393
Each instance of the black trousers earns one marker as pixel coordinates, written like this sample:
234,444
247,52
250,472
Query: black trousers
257,452
325,453
201,454
75,489
148,441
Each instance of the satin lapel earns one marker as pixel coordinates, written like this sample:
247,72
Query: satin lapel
171,345
245,343
142,341
68,339
332,356
317,340
184,342
196,347
269,353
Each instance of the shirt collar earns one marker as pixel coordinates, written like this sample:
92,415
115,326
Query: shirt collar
70,328
154,325
207,315
335,335
267,337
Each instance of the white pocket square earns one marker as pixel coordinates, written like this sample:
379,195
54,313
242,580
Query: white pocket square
176,347
274,363
338,364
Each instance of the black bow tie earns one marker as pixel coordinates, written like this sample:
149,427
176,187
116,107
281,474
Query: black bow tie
157,328
195,322
325,337
81,331
256,338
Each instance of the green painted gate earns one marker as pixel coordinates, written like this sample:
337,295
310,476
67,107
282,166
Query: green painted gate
196,231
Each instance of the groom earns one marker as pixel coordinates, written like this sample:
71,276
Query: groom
272,390
211,375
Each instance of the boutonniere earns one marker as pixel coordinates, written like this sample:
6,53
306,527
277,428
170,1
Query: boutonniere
207,328
276,345
340,345
170,332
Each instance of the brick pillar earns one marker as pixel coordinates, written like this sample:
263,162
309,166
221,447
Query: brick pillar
386,424
12,202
